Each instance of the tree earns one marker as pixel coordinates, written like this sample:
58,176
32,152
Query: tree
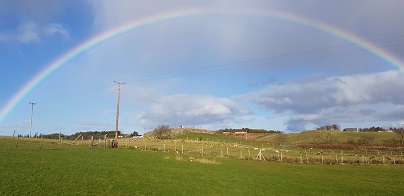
281,138
335,127
135,133
162,132
400,132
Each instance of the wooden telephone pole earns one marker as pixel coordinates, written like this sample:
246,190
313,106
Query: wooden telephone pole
32,112
115,143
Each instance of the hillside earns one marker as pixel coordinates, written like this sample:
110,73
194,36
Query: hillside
332,137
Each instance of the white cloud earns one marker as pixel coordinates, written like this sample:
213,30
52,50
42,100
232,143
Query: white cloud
29,32
55,28
192,110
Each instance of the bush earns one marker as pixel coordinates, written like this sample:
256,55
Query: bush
162,132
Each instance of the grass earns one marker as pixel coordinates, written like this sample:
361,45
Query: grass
216,138
321,136
80,170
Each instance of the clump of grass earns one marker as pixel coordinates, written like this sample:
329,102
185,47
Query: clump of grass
177,158
204,161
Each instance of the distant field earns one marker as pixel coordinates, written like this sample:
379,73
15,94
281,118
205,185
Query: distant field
81,170
330,136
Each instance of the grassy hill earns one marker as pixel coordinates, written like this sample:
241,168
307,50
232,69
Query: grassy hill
335,137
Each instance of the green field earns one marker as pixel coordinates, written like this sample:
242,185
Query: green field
327,136
81,170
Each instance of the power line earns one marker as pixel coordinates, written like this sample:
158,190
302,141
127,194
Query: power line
267,61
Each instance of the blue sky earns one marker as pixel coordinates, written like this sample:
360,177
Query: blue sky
219,69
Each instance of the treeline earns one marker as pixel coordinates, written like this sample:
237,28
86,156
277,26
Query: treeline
248,130
334,127
380,129
86,135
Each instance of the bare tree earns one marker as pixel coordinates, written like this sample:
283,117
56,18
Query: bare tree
162,132
400,132
335,127
281,138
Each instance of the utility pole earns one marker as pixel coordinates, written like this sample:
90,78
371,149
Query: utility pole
32,111
115,144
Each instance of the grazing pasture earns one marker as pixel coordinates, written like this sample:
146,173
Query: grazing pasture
81,170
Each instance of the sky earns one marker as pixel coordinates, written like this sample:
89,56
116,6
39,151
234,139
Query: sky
265,64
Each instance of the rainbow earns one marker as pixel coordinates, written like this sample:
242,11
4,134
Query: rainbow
121,29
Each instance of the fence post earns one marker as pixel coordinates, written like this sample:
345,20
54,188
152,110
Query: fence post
307,158
182,149
92,141
16,144
342,157
322,159
383,159
40,146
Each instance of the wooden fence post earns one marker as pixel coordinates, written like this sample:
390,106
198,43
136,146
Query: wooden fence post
40,146
16,144
336,158
281,157
227,151
182,149
342,157
322,159
105,142
307,158
92,141
383,159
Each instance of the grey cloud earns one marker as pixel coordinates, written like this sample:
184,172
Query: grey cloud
355,98
392,114
315,95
